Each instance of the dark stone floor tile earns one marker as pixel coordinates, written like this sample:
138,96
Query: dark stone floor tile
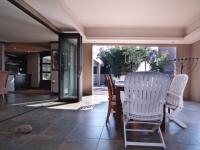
92,115
192,147
110,145
143,137
112,133
42,142
10,140
182,147
87,144
59,130
93,122
83,132
182,137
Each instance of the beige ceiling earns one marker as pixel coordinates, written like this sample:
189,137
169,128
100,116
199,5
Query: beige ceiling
16,26
134,13
125,21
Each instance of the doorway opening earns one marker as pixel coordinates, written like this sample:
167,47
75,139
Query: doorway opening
117,60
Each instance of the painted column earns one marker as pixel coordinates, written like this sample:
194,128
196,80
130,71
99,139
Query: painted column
2,56
87,69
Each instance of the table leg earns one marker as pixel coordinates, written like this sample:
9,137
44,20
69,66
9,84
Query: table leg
163,122
118,106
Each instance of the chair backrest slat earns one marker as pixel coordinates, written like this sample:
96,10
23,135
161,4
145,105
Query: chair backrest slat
145,93
110,86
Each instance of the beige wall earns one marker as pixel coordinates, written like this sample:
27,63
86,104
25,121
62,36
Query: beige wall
195,73
87,69
2,56
184,51
33,68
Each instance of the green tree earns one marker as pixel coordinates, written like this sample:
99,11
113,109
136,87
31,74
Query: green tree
119,60
158,63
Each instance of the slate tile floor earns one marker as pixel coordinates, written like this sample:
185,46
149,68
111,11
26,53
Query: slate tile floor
17,104
59,129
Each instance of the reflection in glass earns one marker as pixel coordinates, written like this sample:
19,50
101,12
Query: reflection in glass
46,67
46,59
69,55
46,76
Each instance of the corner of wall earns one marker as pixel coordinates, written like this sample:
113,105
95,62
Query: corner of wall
195,71
87,69
184,51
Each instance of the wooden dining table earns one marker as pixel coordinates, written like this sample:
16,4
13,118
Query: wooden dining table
119,86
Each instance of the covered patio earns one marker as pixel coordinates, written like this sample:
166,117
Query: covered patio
46,49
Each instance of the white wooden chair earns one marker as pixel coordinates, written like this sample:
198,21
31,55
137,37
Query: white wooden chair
143,103
174,99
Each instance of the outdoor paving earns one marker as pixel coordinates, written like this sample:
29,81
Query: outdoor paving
63,129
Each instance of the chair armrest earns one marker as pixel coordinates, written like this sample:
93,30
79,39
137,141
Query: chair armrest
174,99
173,95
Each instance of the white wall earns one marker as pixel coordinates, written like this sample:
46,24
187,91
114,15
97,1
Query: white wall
33,68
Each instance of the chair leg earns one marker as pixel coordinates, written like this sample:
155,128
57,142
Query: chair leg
148,144
177,121
161,137
108,113
125,138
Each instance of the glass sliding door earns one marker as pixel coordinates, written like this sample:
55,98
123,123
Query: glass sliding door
70,71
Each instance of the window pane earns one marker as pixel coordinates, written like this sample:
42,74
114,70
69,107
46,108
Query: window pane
46,67
46,76
46,59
